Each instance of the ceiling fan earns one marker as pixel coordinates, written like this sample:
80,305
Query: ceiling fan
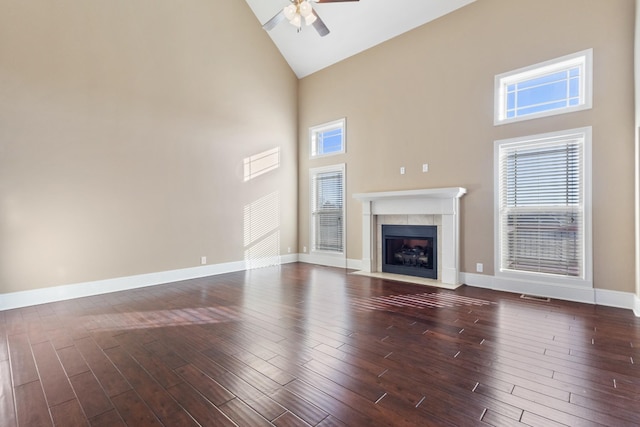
301,10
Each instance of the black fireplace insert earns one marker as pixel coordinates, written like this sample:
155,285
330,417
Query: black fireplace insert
410,250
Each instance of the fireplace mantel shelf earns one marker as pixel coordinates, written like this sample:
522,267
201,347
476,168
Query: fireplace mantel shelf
430,193
431,201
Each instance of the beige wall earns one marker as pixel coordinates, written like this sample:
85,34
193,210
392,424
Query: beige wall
123,129
124,125
427,97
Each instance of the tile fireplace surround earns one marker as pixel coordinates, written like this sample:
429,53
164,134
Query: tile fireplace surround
442,203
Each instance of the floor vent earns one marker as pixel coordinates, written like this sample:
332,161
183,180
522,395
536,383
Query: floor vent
535,298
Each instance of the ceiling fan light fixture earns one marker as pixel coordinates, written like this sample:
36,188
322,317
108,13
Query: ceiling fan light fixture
296,21
299,9
310,19
305,8
290,12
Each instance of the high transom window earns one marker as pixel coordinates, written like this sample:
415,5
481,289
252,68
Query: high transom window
328,138
559,86
542,195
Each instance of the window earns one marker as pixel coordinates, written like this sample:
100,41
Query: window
328,138
543,200
562,85
327,209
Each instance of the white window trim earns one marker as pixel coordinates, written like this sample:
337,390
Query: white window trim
313,171
587,280
505,79
313,130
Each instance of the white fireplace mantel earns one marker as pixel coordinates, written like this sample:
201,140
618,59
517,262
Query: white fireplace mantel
434,201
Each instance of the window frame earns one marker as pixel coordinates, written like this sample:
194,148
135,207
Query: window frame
313,172
586,280
324,127
584,59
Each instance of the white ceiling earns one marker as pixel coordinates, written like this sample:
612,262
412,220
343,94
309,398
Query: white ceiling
354,26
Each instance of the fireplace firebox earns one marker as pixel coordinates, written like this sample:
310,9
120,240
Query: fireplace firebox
410,249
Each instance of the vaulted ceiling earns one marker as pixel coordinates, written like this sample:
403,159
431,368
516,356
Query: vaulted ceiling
355,26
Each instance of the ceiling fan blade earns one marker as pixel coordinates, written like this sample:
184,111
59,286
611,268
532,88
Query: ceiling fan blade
271,23
319,25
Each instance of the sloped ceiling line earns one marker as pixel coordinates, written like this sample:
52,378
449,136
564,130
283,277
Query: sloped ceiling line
354,26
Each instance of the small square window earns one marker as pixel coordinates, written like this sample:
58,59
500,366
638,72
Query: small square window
561,85
328,138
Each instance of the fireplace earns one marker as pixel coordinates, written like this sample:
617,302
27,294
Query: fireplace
410,250
443,204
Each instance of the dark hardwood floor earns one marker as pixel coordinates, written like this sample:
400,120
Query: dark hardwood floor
305,345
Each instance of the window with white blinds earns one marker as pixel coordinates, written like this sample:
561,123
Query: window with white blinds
327,209
541,195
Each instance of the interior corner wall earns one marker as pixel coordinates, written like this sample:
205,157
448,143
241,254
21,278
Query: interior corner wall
125,131
636,57
427,97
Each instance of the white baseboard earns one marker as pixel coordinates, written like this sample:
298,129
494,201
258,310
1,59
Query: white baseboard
59,293
77,290
331,261
615,298
605,297
326,260
477,280
270,261
354,264
289,258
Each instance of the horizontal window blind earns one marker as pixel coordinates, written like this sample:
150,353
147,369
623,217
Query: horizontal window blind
328,210
541,206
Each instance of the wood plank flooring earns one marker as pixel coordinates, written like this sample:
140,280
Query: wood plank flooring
303,345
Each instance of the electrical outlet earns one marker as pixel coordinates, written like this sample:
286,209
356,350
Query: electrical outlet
289,250
425,167
479,267
304,249
402,170
203,260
